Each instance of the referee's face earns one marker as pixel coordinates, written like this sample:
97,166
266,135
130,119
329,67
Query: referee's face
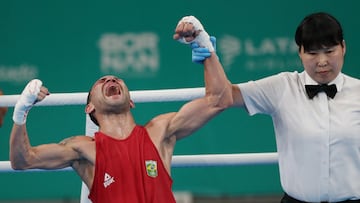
323,65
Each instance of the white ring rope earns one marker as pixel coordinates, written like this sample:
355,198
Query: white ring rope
179,161
61,99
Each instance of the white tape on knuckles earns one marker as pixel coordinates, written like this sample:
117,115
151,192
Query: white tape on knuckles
203,38
26,100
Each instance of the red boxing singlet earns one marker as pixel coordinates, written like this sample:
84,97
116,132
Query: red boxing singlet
129,171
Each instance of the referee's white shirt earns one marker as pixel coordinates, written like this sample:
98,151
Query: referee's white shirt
318,140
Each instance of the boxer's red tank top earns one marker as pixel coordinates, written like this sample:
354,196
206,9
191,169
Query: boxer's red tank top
129,171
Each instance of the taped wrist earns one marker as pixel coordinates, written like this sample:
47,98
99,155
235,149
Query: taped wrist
26,101
203,39
20,113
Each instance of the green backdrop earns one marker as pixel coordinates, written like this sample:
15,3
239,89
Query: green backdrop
69,44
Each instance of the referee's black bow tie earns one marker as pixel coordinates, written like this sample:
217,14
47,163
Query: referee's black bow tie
312,90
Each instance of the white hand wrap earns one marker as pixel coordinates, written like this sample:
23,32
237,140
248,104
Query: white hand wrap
26,101
203,39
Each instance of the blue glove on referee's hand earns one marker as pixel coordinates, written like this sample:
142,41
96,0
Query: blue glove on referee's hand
199,54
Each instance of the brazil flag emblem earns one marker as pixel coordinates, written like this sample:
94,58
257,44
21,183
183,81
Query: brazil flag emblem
151,168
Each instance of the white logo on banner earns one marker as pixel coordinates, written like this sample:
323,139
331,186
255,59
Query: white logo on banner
135,54
275,53
18,74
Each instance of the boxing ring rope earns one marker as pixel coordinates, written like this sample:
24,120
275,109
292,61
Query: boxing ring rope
138,96
179,161
142,96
